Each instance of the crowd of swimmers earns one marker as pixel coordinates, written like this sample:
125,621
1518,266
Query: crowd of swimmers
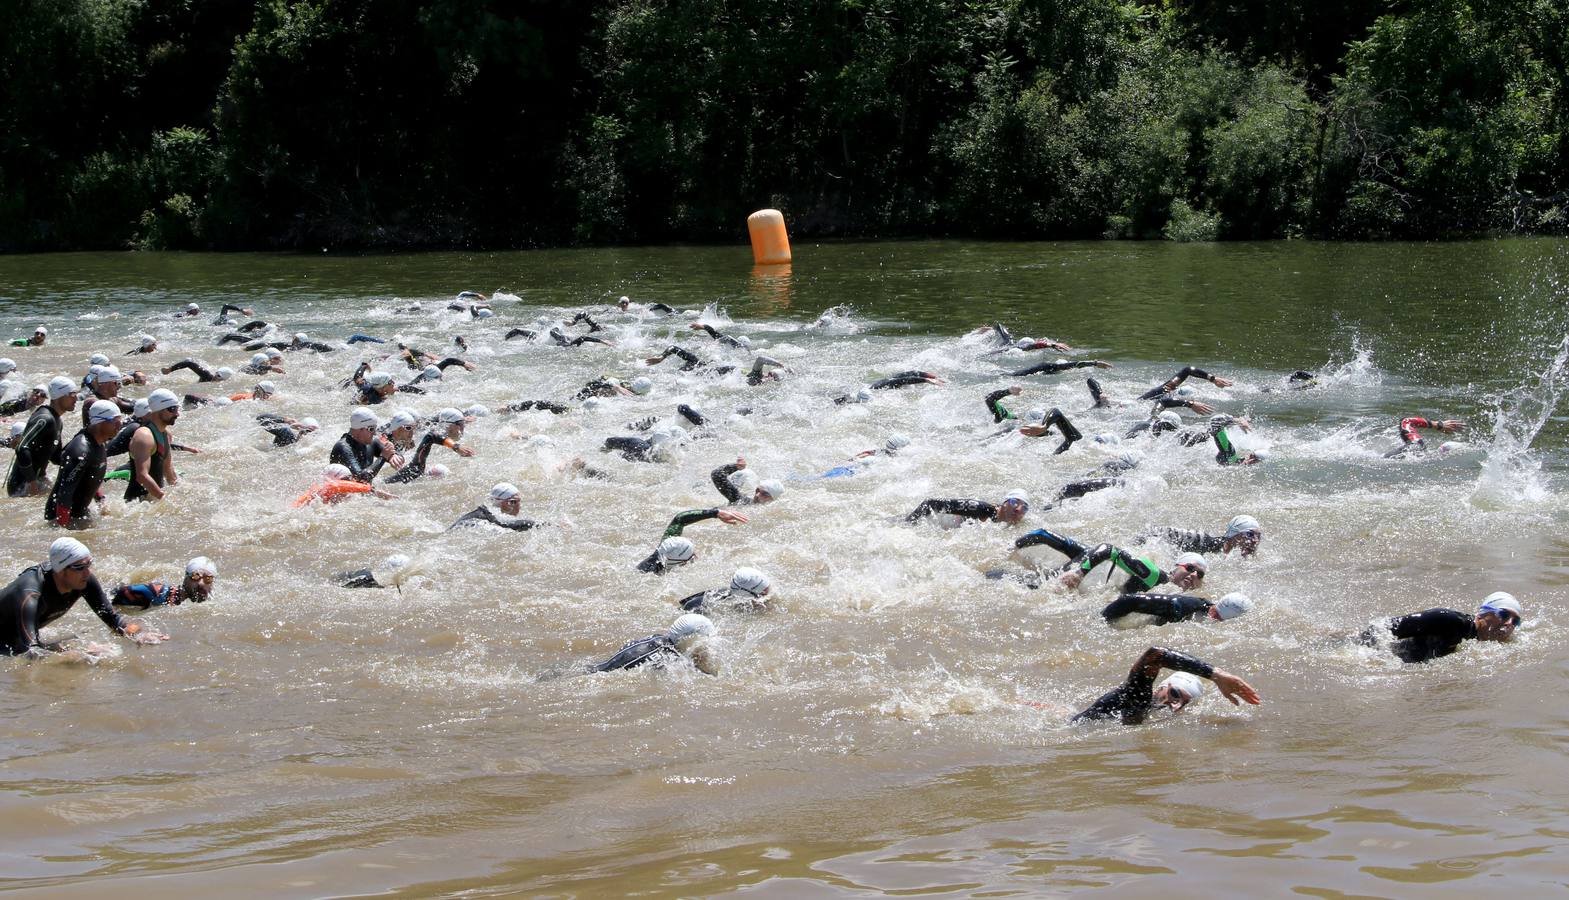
70,474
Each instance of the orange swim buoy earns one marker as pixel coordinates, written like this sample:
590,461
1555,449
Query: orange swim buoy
770,241
331,491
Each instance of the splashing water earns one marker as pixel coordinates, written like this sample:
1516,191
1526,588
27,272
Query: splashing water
1511,472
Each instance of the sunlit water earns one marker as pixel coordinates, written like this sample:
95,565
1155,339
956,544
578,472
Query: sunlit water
870,734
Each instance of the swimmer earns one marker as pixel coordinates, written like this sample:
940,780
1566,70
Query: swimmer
680,644
583,318
191,309
655,448
335,485
1411,441
505,498
747,592
860,461
302,341
676,550
725,340
906,379
399,430
120,444
1226,453
1132,610
603,387
689,361
39,444
40,336
372,388
1243,534
760,373
766,491
43,593
200,369
105,386
1137,697
152,463
361,450
390,569
148,344
1055,417
956,512
196,586
1182,375
447,431
526,405
82,466
36,396
284,430
1432,633
626,305
223,314
1187,573
246,335
1061,365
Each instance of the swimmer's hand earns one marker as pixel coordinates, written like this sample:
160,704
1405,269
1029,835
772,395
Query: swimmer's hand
1100,364
1033,430
1231,687
139,634
1242,423
1218,381
1071,579
1450,426
653,360
1057,345
1016,390
463,451
395,460
740,462
731,518
1200,407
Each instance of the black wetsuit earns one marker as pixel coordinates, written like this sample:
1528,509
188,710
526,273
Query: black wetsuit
657,650
416,464
721,598
203,374
1001,413
359,578
15,406
1165,608
38,446
485,514
978,510
1183,374
902,379
1185,541
1142,574
134,489
362,460
548,406
1053,368
599,387
1426,635
82,465
1135,698
652,563
86,405
724,339
32,601
316,346
223,314
585,317
283,434
721,479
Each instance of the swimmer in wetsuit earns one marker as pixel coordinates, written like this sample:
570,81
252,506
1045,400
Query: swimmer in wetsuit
1226,453
361,450
105,384
446,431
39,444
1186,574
747,592
1243,533
906,379
626,305
40,335
1061,365
1183,374
1055,417
766,491
507,499
1011,511
725,340
1136,698
200,369
148,344
200,575
82,466
1411,441
223,314
676,550
1432,633
261,364
657,651
35,397
284,430
43,593
1133,610
604,387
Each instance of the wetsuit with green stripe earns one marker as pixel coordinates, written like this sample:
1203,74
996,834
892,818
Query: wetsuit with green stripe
1142,574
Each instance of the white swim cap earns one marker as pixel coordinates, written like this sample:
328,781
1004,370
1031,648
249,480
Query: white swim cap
640,385
503,491
863,396
378,379
7,365
773,487
17,428
201,565
266,388
60,386
1036,414
1017,496
1024,343
139,409
363,418
624,300
92,374
1189,684
273,353
692,625
1448,447
259,360
1106,437
450,415
191,307
222,401
1170,418
310,423
483,313
1242,525
438,471
676,550
98,359
1184,391
1499,601
108,375
102,411
749,581
591,403
1232,605
402,419
431,372
477,411
66,552
336,471
395,562
41,330
162,399
299,336
1260,454
148,340
225,373
895,443
1194,560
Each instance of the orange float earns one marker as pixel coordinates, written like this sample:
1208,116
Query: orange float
770,241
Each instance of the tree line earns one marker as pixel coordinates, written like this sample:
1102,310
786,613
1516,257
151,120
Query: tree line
225,124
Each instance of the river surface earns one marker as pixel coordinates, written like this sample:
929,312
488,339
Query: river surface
896,725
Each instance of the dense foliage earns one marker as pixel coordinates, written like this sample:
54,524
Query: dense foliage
311,123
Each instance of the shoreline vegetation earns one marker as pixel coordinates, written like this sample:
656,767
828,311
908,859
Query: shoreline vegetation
482,124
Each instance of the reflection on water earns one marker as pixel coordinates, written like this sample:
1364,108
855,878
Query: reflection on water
897,724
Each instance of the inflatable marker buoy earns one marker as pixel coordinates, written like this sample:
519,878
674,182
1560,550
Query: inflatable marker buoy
770,242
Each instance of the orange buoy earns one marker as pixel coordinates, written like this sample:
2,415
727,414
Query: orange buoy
770,241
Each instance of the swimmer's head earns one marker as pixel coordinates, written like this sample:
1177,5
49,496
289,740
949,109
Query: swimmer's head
363,420
450,415
200,574
274,354
1170,419
1255,457
691,625
1014,506
438,470
1230,606
336,472
1107,438
1179,690
1025,343
17,428
751,582
768,491
1184,391
139,409
477,411
431,373
1448,447
400,420
624,302
191,307
1188,571
61,387
676,551
308,424
1242,533
108,375
300,337
641,385
71,562
258,361
103,412
1498,618
98,359
7,365
591,403
895,443
264,389
1036,414
225,373
149,342
507,498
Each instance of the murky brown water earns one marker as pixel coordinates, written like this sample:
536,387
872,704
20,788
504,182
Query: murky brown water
870,736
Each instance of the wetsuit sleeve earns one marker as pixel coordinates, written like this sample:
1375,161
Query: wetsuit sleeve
1166,608
721,479
448,363
14,407
141,596
994,405
99,602
1184,540
903,379
229,308
1409,426
1052,368
1447,625
697,602
683,519
965,509
1067,546
1182,375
